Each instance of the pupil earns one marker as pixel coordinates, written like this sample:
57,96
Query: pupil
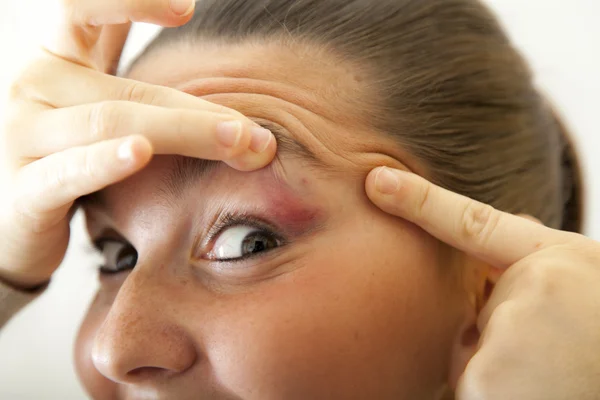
256,243
258,246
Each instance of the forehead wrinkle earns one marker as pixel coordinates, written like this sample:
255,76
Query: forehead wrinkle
309,75
288,146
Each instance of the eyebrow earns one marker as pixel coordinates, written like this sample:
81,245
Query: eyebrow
187,170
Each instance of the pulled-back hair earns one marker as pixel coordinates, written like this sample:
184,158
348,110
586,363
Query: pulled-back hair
445,82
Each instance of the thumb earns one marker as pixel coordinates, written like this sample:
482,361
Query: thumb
111,44
92,33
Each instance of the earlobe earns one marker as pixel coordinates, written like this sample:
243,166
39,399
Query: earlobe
478,280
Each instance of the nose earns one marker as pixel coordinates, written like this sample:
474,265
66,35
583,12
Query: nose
140,339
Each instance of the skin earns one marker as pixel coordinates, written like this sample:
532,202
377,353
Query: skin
546,299
539,327
356,304
63,144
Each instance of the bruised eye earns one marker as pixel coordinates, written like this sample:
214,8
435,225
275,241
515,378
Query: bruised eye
240,242
118,256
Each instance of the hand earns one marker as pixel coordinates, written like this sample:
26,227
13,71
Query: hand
541,326
66,135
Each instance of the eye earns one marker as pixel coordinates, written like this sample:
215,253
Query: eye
118,256
240,242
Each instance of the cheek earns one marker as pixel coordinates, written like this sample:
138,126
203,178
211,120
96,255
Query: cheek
361,318
97,386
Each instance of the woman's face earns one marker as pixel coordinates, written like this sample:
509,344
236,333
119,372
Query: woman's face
284,283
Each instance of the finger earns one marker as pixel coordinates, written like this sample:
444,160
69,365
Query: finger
499,238
110,12
88,86
111,45
198,134
84,19
55,182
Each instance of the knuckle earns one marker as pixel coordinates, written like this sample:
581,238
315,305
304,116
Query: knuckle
73,172
87,164
542,278
102,120
478,222
139,93
58,178
424,200
32,81
26,82
17,90
177,122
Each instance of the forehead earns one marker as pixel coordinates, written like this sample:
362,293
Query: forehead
320,98
307,75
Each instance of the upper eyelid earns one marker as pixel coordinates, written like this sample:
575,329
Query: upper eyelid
230,220
226,220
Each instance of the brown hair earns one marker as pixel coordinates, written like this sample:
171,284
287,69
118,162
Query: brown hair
448,84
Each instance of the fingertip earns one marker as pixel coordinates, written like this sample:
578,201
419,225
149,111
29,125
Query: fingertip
182,8
383,182
143,149
371,178
252,161
135,150
165,13
261,139
384,189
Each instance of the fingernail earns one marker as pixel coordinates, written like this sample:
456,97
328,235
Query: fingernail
386,181
261,138
229,133
183,8
125,150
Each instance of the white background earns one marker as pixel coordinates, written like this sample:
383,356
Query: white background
561,40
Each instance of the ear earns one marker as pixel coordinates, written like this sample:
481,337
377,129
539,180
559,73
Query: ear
478,280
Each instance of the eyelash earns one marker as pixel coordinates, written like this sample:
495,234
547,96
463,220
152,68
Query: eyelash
231,220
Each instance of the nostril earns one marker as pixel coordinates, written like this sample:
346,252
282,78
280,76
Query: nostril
147,373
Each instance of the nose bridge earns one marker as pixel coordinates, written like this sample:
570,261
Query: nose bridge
141,335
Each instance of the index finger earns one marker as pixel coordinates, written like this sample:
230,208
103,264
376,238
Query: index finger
89,27
497,237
